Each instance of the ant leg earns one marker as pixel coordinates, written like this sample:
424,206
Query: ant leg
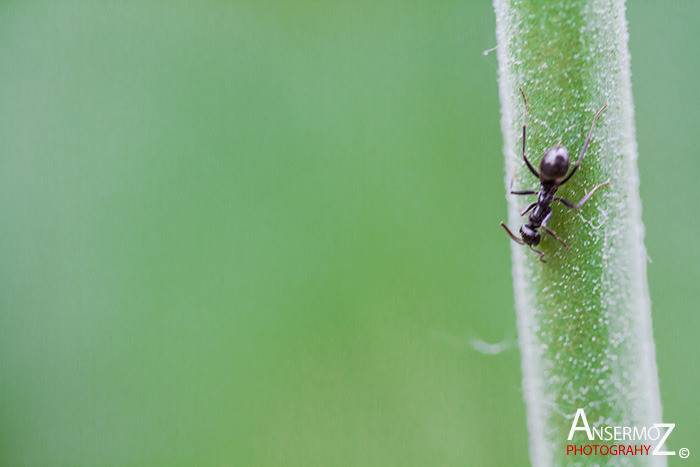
525,192
539,253
569,205
525,211
551,232
585,146
565,202
519,240
529,166
522,192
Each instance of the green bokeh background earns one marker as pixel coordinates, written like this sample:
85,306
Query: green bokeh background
266,233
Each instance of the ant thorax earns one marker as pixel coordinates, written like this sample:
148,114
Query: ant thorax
546,194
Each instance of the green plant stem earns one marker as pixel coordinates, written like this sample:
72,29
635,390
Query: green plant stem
584,317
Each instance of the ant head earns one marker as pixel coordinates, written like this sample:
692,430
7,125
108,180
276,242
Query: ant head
530,236
554,165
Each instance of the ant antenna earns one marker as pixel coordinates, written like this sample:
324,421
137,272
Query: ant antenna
539,253
513,236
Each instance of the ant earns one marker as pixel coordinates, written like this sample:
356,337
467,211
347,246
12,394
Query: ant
552,175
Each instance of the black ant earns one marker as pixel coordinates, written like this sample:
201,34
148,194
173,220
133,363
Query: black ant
552,175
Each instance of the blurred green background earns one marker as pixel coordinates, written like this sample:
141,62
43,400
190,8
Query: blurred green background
266,233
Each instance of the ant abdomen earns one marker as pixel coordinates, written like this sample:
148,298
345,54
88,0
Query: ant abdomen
554,165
